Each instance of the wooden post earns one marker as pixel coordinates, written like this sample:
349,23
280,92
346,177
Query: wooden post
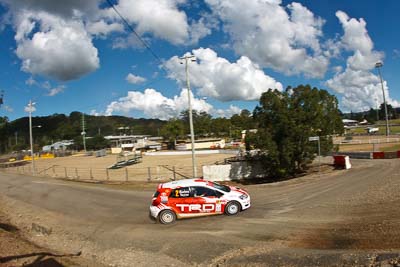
65,172
76,173
126,174
149,174
174,173
108,176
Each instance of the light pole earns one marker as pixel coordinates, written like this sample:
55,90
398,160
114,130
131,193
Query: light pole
193,59
31,108
378,65
83,133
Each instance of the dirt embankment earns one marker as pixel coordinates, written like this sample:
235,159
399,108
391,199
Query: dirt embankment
16,250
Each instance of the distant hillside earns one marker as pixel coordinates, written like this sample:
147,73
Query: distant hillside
15,134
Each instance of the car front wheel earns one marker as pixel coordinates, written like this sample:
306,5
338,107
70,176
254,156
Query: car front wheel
232,208
167,217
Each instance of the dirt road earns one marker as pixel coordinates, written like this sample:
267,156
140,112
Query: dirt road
345,217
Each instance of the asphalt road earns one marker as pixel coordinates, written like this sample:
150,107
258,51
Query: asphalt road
320,218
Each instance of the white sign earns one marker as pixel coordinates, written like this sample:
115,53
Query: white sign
313,138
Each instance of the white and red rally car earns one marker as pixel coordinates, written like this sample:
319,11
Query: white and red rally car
196,197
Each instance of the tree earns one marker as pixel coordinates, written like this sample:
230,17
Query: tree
201,122
97,142
285,122
172,130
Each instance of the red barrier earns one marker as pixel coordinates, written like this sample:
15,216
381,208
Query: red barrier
378,155
342,161
398,153
339,160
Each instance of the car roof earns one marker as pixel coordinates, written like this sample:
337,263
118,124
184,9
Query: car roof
183,183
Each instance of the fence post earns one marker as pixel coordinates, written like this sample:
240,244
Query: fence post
126,174
174,173
76,173
91,174
65,172
149,174
108,176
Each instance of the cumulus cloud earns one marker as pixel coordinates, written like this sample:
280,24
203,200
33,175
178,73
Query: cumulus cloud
65,9
131,78
201,28
155,105
358,84
285,39
56,90
218,78
54,47
101,28
162,18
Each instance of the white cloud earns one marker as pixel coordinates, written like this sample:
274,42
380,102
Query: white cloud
56,90
102,28
162,18
65,9
232,110
8,108
360,87
265,32
131,78
59,49
155,105
218,78
201,28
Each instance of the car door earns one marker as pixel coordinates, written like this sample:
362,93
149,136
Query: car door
205,200
180,200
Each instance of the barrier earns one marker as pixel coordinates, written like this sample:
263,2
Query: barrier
342,161
390,155
378,155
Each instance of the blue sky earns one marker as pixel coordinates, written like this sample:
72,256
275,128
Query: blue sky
79,55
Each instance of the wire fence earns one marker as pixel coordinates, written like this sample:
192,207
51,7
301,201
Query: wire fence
157,173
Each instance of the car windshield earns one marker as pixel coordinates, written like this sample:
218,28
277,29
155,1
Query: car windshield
221,187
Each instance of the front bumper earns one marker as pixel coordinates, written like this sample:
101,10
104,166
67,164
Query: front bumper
154,211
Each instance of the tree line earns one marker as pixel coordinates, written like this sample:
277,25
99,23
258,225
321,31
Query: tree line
283,122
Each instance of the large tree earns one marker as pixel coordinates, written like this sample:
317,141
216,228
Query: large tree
285,122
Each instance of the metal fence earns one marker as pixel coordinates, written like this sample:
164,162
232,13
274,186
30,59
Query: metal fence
157,173
367,141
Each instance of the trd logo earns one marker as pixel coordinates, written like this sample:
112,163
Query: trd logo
199,207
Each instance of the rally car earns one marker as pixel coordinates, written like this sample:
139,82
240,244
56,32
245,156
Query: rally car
196,197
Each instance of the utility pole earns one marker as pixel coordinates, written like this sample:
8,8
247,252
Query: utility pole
30,109
83,132
193,59
378,65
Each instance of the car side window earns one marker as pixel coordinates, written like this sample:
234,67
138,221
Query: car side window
200,191
182,192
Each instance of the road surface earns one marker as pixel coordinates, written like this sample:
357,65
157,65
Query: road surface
340,217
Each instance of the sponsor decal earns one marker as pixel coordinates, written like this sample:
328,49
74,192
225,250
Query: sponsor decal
164,197
207,207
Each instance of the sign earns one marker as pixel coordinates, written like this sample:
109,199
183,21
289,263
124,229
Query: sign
313,138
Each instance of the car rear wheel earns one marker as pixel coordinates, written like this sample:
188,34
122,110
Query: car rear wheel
232,208
167,217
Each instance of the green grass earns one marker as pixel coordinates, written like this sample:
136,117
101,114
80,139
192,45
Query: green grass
391,148
382,130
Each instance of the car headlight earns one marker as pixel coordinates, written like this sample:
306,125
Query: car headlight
243,197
